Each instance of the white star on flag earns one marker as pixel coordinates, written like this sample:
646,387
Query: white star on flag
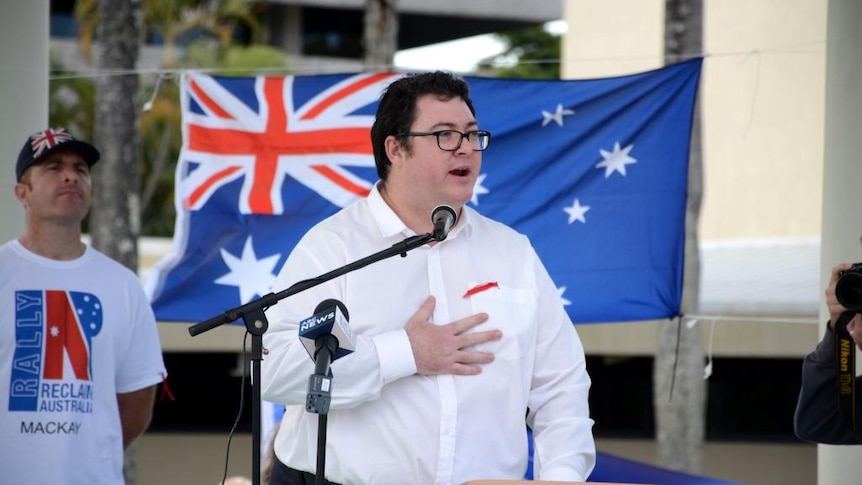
562,290
576,212
250,275
556,116
616,160
478,189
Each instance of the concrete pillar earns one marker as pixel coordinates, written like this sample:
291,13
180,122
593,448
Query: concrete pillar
24,65
842,190
286,29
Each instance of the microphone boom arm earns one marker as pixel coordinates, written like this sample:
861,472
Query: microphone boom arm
270,299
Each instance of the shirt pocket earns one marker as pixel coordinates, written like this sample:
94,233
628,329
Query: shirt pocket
511,310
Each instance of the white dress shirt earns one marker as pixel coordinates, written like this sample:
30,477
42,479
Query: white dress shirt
389,425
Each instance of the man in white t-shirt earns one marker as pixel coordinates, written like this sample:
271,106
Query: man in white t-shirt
80,357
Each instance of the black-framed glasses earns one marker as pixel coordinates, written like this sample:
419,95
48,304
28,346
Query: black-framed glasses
450,140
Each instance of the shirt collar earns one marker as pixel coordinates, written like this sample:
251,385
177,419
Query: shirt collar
387,220
464,223
390,224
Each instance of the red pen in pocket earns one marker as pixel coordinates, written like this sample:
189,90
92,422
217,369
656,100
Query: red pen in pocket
480,288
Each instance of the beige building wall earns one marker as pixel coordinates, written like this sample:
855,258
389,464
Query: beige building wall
611,37
763,107
762,102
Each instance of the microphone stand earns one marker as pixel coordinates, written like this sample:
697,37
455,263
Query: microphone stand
319,396
252,314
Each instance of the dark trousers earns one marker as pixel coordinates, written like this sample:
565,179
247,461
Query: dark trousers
285,475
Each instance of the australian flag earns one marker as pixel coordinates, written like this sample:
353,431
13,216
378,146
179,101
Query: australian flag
593,171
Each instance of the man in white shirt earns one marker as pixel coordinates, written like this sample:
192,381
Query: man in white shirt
461,345
80,357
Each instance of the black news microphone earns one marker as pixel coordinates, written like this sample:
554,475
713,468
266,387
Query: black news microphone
326,337
443,217
329,321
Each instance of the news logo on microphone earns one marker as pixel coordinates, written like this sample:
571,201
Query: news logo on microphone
330,320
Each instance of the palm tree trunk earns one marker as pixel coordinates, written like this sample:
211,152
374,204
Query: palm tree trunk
114,218
679,389
381,33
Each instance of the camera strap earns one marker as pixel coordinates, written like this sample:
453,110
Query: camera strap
845,358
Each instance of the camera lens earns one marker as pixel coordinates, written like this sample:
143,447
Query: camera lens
848,290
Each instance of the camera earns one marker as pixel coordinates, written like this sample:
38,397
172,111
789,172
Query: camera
848,288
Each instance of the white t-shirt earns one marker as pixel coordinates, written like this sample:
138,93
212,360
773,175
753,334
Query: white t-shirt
73,334
388,425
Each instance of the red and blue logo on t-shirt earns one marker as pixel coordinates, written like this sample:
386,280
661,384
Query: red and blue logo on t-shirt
51,366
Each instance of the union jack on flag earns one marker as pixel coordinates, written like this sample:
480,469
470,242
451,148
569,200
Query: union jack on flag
593,171
265,138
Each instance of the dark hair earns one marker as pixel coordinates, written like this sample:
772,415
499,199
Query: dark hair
397,109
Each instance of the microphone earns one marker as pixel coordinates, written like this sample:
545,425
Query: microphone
443,217
330,319
326,337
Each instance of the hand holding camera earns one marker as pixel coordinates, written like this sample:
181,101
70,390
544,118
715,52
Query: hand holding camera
844,299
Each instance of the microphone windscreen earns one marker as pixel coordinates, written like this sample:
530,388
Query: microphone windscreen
443,218
332,302
441,212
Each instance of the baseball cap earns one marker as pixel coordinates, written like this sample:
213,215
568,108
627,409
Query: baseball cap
43,143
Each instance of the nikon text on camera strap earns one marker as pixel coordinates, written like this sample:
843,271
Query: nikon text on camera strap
845,358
